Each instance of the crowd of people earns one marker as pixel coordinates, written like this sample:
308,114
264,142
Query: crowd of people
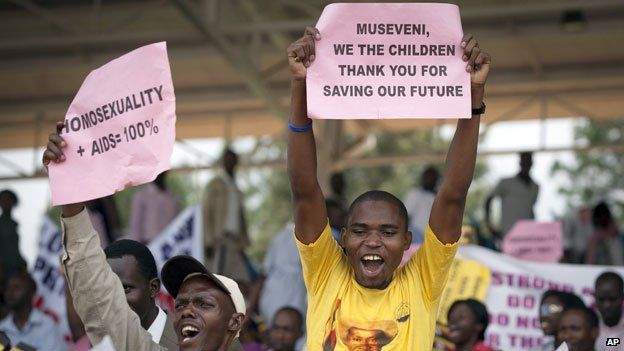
336,284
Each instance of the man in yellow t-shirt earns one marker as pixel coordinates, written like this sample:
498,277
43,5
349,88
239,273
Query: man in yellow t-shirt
360,299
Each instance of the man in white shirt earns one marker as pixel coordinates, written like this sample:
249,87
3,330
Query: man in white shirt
135,266
419,201
518,195
26,324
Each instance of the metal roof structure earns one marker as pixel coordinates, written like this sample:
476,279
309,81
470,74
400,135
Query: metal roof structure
552,59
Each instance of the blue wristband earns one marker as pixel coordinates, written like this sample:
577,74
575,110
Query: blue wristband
294,128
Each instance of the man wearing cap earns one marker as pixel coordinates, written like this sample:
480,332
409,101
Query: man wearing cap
209,309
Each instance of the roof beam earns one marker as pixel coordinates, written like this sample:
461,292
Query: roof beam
47,16
241,62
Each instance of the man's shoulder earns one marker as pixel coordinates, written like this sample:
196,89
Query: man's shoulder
508,180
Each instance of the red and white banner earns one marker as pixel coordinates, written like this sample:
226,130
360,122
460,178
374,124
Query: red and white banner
516,287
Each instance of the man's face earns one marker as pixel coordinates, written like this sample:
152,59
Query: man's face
576,331
462,324
526,162
609,299
363,340
19,292
549,314
285,331
136,286
430,179
6,202
205,317
230,160
375,240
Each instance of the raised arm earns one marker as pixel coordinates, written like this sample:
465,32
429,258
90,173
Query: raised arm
308,201
98,295
448,208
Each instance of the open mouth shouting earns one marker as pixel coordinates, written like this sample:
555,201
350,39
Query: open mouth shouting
189,333
372,265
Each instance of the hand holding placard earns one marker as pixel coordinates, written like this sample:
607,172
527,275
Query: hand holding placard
118,131
301,53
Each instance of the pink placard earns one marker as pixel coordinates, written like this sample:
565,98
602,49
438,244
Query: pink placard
119,129
535,241
389,61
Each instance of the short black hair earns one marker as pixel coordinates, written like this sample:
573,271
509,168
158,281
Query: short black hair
568,299
293,310
380,195
610,275
478,310
590,315
524,154
227,151
601,215
431,169
11,194
140,252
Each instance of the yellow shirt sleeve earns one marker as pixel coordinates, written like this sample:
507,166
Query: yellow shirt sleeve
319,260
433,262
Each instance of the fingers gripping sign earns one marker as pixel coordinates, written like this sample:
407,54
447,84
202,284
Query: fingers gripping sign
301,53
477,61
56,144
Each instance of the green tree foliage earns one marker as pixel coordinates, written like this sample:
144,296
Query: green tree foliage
599,173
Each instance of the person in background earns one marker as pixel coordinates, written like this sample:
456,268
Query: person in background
154,206
419,200
467,322
337,184
552,303
578,328
225,227
135,266
518,195
577,229
4,309
283,335
26,324
609,295
286,330
10,257
605,244
281,283
337,214
105,219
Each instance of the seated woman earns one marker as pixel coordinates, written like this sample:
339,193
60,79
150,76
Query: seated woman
467,322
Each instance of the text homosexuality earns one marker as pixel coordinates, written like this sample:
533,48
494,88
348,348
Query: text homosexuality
113,109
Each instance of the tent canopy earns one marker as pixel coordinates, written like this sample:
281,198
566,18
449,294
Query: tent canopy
551,59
